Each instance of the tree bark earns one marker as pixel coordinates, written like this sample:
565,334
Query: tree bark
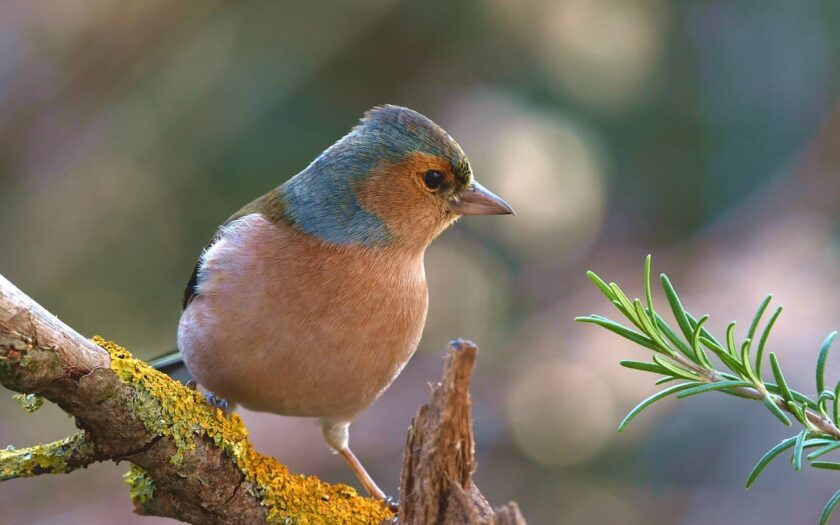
439,456
192,463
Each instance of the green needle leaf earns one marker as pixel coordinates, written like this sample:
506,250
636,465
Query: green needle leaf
631,316
626,306
621,330
825,450
648,294
798,412
798,448
653,399
797,396
826,395
836,411
705,333
829,508
648,328
645,367
730,340
767,458
759,355
664,380
780,379
745,360
712,344
822,359
830,465
708,387
675,369
730,362
819,442
770,402
822,401
702,359
604,287
676,306
758,314
672,336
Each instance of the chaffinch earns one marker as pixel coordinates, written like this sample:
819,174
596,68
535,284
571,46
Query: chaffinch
310,300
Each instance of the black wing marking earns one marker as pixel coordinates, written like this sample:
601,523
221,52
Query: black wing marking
191,290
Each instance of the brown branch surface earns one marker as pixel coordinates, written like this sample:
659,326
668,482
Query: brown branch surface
192,463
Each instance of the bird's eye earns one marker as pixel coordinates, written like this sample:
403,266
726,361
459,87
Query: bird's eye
433,179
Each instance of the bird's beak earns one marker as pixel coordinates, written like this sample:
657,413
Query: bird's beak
478,200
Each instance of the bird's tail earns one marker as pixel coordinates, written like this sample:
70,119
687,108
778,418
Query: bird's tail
172,364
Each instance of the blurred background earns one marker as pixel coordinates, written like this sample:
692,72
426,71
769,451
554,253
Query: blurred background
704,132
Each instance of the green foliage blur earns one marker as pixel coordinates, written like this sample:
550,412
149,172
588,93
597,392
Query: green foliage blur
705,132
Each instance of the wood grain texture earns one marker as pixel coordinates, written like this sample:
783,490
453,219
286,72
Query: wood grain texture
439,456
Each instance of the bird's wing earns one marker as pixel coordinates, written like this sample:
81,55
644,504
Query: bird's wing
269,205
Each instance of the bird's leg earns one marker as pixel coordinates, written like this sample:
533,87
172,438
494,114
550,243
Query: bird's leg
365,479
338,437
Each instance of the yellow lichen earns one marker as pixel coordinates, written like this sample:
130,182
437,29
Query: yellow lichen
141,485
170,409
29,402
50,457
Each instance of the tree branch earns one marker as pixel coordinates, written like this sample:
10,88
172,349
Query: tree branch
58,457
192,463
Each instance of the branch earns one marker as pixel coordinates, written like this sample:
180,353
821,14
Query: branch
192,463
58,457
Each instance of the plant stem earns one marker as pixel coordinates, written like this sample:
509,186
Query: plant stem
821,424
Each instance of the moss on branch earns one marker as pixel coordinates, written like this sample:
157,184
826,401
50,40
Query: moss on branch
172,410
57,457
141,485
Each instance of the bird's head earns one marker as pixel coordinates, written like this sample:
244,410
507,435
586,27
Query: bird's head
396,178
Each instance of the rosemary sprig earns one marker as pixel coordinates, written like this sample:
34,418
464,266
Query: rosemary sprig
685,356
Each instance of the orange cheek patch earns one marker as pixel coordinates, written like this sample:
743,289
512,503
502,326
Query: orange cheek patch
391,188
395,193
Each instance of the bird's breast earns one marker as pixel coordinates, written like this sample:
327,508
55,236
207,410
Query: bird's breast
284,323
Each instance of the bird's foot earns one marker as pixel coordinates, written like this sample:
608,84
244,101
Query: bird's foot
216,402
192,384
392,504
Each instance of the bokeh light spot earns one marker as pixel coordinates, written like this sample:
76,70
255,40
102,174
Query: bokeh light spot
550,168
551,421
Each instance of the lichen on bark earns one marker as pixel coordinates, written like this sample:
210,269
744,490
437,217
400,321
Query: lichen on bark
141,486
170,409
29,402
54,458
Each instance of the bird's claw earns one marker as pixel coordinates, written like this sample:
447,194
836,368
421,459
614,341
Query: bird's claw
216,402
392,503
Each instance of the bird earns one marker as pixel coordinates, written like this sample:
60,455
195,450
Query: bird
310,299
